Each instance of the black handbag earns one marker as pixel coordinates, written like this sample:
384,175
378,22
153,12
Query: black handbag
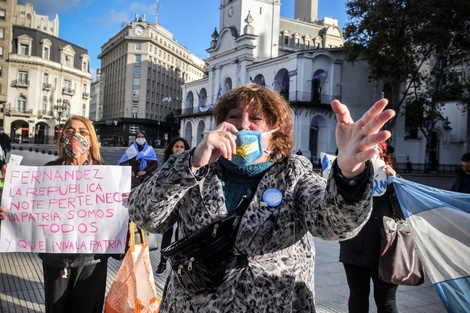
199,260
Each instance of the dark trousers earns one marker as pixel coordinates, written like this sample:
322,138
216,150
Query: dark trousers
83,289
358,278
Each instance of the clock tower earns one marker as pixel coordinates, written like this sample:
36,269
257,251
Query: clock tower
256,20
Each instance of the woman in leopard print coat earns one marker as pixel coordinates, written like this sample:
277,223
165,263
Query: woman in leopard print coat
201,186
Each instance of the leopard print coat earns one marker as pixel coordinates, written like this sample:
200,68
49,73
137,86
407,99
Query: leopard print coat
277,240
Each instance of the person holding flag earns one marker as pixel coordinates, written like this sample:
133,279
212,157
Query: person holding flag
462,180
141,157
360,254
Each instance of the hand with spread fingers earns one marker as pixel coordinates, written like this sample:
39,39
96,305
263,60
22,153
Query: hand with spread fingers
356,140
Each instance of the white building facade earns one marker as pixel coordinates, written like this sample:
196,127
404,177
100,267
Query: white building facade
49,81
142,70
303,59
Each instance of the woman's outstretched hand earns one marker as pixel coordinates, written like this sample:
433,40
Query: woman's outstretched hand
356,140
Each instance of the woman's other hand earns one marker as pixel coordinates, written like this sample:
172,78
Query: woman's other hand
356,140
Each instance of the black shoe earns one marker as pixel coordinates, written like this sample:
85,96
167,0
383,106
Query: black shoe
161,268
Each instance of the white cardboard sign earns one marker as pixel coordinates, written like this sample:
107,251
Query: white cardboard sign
65,209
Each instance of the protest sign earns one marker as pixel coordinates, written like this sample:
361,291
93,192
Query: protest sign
65,209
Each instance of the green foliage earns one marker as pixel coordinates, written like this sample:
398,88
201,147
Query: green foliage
419,47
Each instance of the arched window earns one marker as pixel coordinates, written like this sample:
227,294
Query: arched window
21,104
44,105
317,83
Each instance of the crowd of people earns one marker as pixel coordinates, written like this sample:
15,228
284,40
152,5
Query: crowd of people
273,255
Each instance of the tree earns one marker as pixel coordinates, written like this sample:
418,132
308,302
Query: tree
420,48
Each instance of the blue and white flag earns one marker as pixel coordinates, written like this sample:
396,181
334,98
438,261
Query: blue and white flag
440,225
147,154
219,92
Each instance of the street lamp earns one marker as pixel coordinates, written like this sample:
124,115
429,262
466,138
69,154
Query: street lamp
61,107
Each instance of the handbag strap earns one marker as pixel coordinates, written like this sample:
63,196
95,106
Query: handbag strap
241,209
132,227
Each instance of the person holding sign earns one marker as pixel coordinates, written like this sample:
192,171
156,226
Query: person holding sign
75,282
360,255
271,264
141,157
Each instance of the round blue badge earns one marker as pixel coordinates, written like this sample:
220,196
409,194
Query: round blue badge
272,197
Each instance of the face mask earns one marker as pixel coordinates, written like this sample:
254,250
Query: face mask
140,141
249,147
76,146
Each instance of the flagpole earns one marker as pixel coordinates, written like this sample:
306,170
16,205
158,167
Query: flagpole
157,7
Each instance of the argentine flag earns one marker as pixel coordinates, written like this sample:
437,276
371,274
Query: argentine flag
440,224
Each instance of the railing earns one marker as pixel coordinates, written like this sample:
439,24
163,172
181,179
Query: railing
43,113
195,110
416,168
46,86
298,96
15,111
68,91
20,83
424,168
85,95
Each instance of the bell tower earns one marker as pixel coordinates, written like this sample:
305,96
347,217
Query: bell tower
306,10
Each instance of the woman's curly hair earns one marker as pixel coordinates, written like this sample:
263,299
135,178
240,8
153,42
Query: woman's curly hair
274,109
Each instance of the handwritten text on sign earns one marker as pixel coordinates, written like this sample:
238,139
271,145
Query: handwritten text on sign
65,209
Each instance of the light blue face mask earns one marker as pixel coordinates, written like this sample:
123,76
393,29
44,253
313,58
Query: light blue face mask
249,147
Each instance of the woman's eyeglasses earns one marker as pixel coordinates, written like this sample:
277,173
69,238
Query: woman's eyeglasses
70,132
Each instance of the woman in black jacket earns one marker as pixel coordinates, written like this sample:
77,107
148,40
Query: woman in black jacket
75,282
175,146
360,255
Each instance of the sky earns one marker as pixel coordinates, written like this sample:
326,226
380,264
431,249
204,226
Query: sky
91,23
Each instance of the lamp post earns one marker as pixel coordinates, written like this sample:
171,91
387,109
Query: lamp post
61,107
158,133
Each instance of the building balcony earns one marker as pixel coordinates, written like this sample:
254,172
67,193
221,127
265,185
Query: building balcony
22,83
45,114
85,95
46,86
15,112
68,91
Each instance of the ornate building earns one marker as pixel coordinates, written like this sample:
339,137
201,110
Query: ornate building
142,70
48,78
303,59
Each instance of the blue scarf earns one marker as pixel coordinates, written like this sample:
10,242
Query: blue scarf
147,154
237,180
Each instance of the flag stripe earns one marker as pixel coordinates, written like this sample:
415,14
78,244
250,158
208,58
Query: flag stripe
454,294
439,222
